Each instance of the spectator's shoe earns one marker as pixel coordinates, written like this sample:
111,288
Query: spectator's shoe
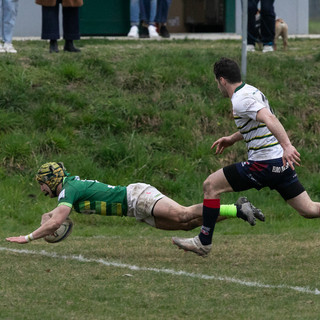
251,48
2,50
8,47
134,32
267,48
69,46
53,47
153,32
164,33
248,212
192,244
144,32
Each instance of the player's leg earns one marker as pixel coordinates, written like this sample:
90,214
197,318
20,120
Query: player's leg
297,197
305,206
169,215
224,180
213,186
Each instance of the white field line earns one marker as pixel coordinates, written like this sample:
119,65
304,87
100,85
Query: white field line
166,271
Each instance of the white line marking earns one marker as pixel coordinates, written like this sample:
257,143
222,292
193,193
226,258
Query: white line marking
167,271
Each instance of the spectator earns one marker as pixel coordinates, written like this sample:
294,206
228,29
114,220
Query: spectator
143,11
267,25
9,10
50,23
163,7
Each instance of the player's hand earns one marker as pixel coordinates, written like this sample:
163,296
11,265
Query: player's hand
21,239
291,156
221,144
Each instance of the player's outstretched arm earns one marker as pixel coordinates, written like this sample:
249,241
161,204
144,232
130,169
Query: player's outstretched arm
58,216
226,142
45,217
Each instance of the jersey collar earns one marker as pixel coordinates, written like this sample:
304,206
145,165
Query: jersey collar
240,87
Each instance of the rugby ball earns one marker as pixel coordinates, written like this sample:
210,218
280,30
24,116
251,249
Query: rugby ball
61,233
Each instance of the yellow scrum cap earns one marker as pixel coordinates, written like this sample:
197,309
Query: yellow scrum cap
52,174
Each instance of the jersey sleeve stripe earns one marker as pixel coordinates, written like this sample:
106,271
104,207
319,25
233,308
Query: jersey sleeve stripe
65,204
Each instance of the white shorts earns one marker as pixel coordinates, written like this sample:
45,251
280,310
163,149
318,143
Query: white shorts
141,199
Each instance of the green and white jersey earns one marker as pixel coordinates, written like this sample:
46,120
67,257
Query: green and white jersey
91,196
261,143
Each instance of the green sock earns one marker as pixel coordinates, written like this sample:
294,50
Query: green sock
228,210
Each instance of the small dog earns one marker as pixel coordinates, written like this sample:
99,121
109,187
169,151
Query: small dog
281,29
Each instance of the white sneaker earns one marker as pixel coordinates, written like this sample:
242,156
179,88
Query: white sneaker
267,49
153,32
251,48
2,48
192,244
8,47
134,32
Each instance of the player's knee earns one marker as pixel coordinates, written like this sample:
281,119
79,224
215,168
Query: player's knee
207,185
209,188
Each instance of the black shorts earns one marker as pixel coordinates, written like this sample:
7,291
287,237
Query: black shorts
259,174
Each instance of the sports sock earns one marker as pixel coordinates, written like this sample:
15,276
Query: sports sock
210,213
228,210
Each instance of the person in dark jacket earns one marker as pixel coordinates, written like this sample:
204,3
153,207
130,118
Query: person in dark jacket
70,22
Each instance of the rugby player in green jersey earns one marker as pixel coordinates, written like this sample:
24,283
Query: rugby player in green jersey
139,200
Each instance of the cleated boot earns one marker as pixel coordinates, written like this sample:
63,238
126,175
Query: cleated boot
192,244
248,212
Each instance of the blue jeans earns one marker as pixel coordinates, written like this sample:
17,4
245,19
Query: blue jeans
148,11
268,17
70,23
162,10
134,12
8,14
143,10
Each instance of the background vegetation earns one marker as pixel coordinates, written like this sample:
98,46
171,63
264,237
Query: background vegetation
314,26
129,111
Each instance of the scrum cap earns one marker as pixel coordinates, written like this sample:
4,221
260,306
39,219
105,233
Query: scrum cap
52,174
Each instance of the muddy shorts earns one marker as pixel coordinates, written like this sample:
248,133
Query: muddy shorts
141,199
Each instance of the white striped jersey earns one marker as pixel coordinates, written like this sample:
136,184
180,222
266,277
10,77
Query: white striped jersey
261,143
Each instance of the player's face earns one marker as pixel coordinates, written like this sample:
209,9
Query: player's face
46,190
222,89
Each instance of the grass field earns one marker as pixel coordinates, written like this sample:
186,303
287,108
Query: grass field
127,111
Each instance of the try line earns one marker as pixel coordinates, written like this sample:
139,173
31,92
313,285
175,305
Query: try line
80,258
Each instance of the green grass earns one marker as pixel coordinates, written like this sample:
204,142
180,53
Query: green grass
314,26
128,111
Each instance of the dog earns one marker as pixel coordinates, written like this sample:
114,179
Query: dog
281,29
